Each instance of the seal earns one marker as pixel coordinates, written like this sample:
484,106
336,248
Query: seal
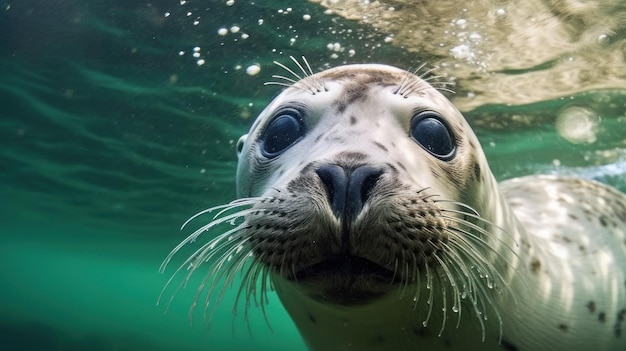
367,203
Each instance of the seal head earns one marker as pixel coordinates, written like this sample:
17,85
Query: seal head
366,201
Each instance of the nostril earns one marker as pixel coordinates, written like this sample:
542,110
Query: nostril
361,182
335,181
348,189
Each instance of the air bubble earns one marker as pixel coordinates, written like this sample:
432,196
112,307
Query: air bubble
461,52
603,38
500,13
253,70
475,37
578,124
461,23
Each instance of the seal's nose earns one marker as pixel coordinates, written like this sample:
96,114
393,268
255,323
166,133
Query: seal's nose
348,189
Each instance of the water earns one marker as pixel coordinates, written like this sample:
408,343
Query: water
113,133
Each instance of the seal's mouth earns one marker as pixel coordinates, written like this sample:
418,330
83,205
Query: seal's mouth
346,280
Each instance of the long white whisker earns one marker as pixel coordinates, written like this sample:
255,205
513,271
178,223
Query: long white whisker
460,204
306,74
478,238
288,70
444,297
228,206
292,81
201,230
429,286
193,261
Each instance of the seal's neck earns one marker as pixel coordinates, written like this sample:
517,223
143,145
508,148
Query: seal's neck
394,322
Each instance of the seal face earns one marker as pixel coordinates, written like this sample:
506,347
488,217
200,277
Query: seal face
367,203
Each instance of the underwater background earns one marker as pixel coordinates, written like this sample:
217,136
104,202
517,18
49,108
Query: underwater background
119,119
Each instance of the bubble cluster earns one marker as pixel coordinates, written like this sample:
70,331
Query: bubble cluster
286,22
468,42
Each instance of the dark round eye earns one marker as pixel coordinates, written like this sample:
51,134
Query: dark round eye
428,129
285,129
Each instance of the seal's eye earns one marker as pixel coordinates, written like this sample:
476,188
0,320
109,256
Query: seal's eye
428,129
283,131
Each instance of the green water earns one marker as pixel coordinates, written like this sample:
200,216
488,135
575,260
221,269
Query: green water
111,138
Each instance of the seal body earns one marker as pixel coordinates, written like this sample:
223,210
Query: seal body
376,218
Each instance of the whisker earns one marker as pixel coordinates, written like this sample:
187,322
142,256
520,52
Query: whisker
480,239
404,275
460,204
201,230
282,84
306,74
419,285
231,205
444,297
477,256
427,72
288,70
460,268
444,89
429,286
473,291
290,80
195,259
408,83
486,271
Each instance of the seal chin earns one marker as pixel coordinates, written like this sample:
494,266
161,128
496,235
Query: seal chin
346,280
